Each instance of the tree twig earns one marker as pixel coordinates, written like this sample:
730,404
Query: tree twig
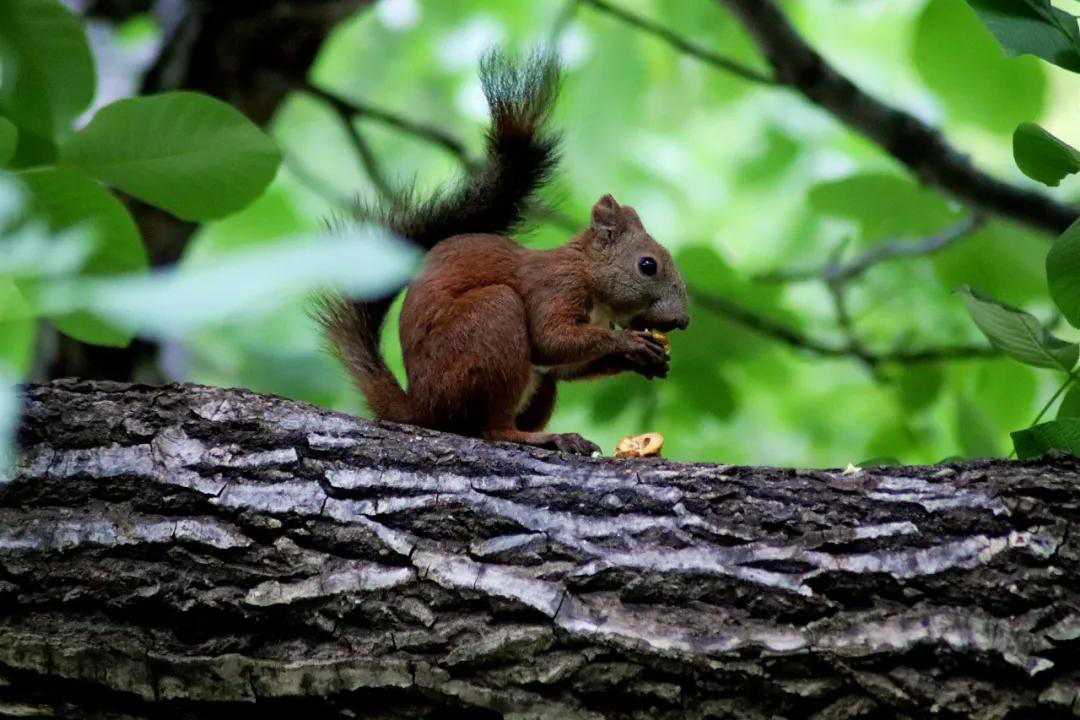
793,338
843,272
680,43
923,149
430,133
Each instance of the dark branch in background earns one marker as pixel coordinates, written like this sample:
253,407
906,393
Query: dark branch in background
348,110
797,340
837,272
347,113
681,44
920,147
923,149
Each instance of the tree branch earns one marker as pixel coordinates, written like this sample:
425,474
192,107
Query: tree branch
834,271
348,109
923,149
681,44
186,551
431,133
795,339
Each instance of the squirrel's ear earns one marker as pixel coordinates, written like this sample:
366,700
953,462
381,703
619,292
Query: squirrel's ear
607,218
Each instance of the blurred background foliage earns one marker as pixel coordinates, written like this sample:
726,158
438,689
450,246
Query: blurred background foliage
755,191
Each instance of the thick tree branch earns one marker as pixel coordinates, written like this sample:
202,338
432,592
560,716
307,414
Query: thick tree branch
172,552
923,149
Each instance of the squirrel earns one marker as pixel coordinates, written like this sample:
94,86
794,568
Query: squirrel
488,326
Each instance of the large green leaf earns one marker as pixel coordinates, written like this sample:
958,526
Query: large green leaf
46,69
1043,157
1019,334
884,206
362,261
9,140
1062,434
1063,273
960,61
1032,27
189,154
69,199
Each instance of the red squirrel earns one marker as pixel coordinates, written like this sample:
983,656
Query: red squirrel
489,326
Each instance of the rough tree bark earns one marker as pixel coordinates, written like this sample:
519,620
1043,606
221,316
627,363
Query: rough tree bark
176,552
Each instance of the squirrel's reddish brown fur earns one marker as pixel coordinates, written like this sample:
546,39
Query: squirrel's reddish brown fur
488,326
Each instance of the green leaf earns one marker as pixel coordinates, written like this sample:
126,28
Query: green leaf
1063,435
920,386
69,199
9,140
189,154
1004,259
362,261
884,206
46,68
1063,273
1019,334
960,61
1032,27
1043,157
1070,404
974,431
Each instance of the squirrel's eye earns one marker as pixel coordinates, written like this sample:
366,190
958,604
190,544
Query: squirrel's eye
647,266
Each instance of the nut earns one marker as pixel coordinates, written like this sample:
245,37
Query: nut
645,445
663,340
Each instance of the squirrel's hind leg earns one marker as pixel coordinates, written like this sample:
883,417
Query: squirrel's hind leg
538,411
533,419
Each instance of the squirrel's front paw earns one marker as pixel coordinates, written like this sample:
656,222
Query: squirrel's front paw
645,354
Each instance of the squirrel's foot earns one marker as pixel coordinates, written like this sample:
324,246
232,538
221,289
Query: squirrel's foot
573,443
564,442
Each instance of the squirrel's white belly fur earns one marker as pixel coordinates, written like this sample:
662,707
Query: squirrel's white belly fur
600,315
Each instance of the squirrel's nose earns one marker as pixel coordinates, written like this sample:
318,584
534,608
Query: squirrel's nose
683,322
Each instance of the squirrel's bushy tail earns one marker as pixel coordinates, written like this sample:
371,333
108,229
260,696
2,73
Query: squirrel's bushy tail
521,155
